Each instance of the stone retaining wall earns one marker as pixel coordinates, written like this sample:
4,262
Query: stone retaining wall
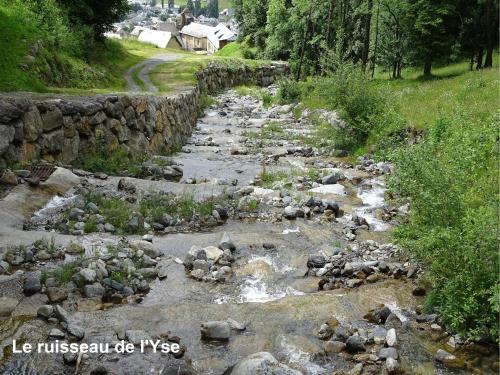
35,128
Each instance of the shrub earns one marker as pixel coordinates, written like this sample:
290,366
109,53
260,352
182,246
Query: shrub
288,91
451,180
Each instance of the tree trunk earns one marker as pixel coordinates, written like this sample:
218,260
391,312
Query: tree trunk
366,47
490,30
303,47
330,16
374,58
480,55
394,70
427,67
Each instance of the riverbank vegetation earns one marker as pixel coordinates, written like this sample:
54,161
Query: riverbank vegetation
52,44
414,84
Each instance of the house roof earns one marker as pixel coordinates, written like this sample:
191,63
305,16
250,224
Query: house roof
158,38
137,30
213,34
197,30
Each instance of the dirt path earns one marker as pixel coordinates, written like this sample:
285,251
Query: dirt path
146,67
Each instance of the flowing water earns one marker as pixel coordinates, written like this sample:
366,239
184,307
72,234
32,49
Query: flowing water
281,308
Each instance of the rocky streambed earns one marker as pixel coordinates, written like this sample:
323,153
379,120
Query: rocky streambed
257,249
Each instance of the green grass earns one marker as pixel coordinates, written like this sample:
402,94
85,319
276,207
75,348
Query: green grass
62,274
421,101
268,179
115,210
111,161
15,41
178,75
155,205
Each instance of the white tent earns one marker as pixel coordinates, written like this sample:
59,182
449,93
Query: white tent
158,38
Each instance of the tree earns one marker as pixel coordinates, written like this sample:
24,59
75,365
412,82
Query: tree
433,26
97,14
393,36
213,9
190,6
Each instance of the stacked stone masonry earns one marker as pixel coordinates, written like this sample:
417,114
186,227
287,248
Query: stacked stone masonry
34,127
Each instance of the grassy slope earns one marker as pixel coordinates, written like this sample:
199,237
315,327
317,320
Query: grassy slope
178,75
109,61
454,85
15,40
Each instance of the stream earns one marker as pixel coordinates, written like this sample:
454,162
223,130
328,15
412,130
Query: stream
272,291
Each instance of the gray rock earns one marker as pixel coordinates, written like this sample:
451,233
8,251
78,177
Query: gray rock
355,344
316,261
391,338
70,358
109,228
76,331
444,357
215,330
75,213
333,178
56,294
92,207
197,274
8,178
200,264
379,335
213,253
124,185
93,290
334,347
74,248
7,306
61,314
262,363
385,353
136,223
32,283
226,243
392,366
136,336
162,273
7,134
88,275
56,334
147,247
52,120
290,212
236,326
45,311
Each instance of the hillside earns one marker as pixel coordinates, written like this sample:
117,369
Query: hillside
46,54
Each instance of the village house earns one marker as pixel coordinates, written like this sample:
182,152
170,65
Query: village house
206,39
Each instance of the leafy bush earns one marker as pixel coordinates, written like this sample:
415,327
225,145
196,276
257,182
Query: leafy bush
289,91
451,181
110,161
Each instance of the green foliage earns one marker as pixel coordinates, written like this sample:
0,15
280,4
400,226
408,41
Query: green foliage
64,273
90,225
268,179
97,15
110,161
451,180
363,107
116,211
155,205
289,91
205,101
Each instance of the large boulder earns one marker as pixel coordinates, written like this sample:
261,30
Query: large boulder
262,363
147,247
